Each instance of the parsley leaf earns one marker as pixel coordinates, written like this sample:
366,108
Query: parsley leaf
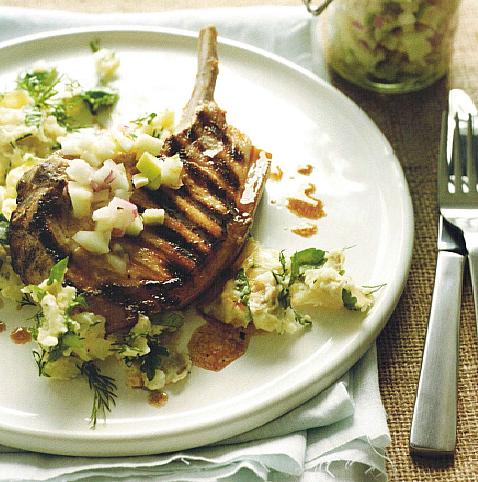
311,257
173,319
99,98
95,45
40,85
78,302
349,301
4,230
241,284
58,271
281,280
65,342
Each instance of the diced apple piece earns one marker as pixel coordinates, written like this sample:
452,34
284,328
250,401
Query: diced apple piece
118,263
122,194
94,241
146,143
123,142
155,184
139,180
135,228
150,166
80,171
104,218
172,170
153,216
81,198
121,179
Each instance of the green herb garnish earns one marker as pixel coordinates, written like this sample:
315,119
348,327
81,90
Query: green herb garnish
145,120
349,301
57,272
40,85
95,45
241,284
103,388
41,361
99,98
301,260
173,319
33,118
151,362
4,230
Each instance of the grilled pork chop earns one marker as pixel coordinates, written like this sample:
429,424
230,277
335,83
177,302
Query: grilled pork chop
207,220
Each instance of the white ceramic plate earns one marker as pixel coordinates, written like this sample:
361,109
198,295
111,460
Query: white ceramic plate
301,120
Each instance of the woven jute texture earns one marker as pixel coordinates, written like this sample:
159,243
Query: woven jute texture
412,125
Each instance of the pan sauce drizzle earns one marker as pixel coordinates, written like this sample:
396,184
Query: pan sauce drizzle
276,174
157,398
3,327
305,209
215,345
305,231
20,336
306,170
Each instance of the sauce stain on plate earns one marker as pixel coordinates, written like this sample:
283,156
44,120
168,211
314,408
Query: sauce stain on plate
20,336
305,209
215,345
276,174
157,398
306,170
3,327
305,231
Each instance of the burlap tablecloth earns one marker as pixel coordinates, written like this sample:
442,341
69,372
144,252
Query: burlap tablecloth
412,124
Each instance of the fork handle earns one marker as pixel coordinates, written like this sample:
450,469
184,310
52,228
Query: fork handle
433,429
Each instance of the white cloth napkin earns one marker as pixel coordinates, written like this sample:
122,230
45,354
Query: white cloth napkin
339,435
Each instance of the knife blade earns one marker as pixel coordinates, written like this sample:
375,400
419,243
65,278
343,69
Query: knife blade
433,429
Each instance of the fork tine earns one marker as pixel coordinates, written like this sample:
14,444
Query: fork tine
443,157
470,158
456,157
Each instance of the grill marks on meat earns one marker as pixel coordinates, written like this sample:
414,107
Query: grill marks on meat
207,220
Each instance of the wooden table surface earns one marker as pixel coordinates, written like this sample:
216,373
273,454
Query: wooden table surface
411,123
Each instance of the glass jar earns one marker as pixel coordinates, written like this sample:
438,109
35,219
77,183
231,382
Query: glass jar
389,46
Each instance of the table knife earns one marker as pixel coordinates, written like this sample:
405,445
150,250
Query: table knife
433,429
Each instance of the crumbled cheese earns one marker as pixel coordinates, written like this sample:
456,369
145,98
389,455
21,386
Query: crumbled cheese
316,287
107,63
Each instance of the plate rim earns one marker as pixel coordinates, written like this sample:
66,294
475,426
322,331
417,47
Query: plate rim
18,437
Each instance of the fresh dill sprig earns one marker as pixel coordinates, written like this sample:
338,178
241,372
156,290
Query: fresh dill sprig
103,388
27,300
145,120
41,359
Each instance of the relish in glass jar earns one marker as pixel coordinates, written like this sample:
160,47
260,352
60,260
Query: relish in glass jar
390,46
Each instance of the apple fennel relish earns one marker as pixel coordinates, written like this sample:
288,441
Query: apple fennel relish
268,290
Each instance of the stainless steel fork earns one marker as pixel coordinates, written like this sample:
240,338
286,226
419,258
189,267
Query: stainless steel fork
458,194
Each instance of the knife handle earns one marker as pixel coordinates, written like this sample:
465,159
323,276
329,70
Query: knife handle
472,246
433,428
